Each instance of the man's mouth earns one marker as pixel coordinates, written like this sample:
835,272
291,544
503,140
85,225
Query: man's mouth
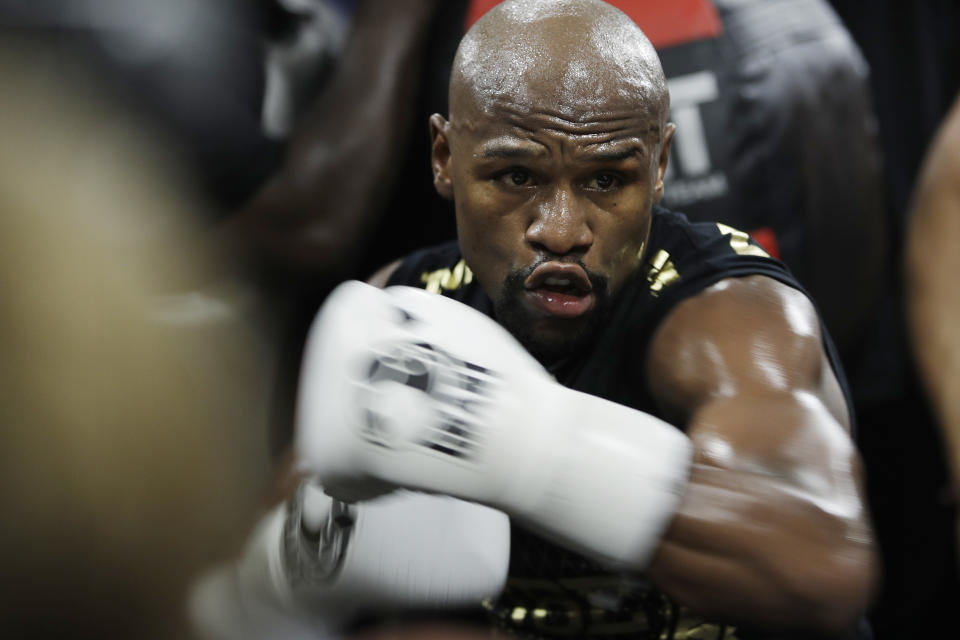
560,289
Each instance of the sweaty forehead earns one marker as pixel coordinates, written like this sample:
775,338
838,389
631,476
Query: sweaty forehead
580,60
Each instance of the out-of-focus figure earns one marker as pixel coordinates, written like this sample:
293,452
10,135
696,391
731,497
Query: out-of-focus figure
309,223
131,447
342,85
932,291
914,58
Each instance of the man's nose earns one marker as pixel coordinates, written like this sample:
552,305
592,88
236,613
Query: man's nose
560,225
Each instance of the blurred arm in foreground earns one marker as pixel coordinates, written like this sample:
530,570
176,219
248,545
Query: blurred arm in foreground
131,453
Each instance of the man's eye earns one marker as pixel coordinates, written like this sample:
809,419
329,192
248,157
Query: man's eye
516,178
603,181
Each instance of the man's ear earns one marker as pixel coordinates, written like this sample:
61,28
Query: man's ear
440,156
662,162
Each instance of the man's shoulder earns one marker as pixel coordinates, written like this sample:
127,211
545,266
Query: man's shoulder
682,253
682,260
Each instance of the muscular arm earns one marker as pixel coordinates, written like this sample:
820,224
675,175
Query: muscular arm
308,220
772,531
932,264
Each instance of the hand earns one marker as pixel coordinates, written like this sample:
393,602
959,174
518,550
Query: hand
410,389
313,564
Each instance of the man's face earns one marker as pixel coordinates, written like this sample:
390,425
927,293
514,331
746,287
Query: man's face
552,210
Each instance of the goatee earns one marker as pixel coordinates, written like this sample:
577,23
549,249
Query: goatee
568,336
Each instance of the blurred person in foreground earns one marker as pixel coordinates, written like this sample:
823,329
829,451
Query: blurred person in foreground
933,297
598,420
131,451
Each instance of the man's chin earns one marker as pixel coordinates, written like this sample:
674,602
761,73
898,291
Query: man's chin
549,337
549,352
549,340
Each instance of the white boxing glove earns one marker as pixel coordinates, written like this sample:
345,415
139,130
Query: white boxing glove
400,387
315,563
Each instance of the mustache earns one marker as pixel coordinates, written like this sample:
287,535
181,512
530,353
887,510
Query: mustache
516,277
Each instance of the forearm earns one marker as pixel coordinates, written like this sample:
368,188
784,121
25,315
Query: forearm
764,557
310,218
760,541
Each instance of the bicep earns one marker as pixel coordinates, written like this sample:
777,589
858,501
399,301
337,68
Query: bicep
743,339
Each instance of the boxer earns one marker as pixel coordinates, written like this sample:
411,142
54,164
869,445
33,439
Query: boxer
654,403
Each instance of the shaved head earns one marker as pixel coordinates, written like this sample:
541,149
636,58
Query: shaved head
583,57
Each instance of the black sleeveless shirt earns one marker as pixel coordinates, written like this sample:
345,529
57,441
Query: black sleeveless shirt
552,592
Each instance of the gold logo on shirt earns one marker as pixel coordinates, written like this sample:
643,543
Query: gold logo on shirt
740,242
447,279
660,272
604,606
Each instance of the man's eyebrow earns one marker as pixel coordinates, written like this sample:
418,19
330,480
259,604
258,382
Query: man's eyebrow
618,153
503,149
